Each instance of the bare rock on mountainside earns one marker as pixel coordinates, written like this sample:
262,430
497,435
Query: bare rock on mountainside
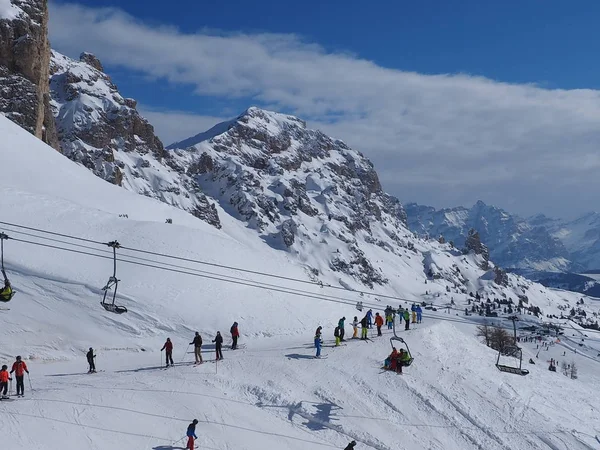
296,186
24,66
104,132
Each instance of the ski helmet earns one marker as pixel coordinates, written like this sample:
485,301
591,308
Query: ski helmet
91,349
195,421
18,358
4,367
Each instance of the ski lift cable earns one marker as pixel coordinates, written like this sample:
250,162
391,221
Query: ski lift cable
222,266
251,283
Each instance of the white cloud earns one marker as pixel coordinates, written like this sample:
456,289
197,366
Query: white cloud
441,140
174,126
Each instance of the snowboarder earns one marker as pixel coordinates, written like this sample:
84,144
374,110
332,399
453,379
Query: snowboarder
168,347
355,323
419,313
19,367
191,434
341,325
351,446
235,334
406,319
4,378
370,318
90,359
318,342
364,328
336,335
218,340
197,348
378,323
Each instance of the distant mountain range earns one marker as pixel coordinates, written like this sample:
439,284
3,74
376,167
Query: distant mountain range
553,251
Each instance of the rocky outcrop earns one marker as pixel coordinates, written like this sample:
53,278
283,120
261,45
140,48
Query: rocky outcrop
297,187
101,130
24,66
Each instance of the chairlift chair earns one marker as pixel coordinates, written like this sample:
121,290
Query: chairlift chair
512,351
402,344
113,282
5,297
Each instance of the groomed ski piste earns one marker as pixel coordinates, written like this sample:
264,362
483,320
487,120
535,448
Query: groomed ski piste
269,394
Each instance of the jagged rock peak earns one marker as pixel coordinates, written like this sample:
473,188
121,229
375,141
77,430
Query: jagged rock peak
91,60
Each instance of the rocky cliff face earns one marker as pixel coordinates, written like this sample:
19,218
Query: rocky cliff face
24,66
103,131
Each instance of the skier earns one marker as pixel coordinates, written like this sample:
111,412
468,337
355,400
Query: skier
168,347
351,446
6,292
336,335
235,334
364,328
218,340
90,359
19,367
390,321
191,434
197,348
413,310
403,358
318,342
4,378
355,323
406,319
378,323
370,318
341,325
419,313
391,361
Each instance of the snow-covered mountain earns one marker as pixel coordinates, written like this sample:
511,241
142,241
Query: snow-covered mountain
535,244
103,131
513,242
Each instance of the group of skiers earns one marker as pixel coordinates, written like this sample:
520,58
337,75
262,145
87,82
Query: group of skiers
19,368
197,343
415,313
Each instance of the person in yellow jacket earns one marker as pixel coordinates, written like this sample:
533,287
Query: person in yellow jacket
6,292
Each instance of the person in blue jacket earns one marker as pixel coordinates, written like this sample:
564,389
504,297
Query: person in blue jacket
191,434
370,318
318,342
419,313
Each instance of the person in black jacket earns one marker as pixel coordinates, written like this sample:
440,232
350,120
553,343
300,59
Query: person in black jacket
90,359
197,347
218,340
351,446
364,330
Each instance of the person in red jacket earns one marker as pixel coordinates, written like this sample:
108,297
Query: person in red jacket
19,367
168,348
235,334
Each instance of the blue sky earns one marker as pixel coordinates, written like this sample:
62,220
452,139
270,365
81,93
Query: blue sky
508,88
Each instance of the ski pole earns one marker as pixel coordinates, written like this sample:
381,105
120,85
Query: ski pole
186,350
10,391
29,378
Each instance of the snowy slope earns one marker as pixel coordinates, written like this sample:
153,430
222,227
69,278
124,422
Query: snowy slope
270,394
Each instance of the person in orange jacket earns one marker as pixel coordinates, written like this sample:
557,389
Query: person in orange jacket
19,367
4,378
378,323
